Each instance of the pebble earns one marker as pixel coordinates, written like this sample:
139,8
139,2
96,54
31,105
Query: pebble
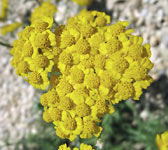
154,41
144,114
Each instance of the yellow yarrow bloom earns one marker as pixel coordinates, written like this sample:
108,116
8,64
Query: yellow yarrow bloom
83,2
162,141
100,65
9,28
82,147
4,9
93,65
46,9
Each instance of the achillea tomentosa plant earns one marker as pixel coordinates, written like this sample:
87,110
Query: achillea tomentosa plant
87,66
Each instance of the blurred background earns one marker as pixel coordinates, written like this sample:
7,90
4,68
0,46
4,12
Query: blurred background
133,126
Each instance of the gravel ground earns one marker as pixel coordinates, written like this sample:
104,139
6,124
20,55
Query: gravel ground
16,104
149,18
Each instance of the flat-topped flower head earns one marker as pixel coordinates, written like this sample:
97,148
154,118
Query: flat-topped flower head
100,65
88,65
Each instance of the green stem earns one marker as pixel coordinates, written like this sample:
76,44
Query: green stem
5,44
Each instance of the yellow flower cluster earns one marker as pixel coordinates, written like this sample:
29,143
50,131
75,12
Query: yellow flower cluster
88,64
83,2
82,147
9,28
46,9
100,65
33,53
162,141
4,8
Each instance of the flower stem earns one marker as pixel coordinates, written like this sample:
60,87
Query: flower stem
5,44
